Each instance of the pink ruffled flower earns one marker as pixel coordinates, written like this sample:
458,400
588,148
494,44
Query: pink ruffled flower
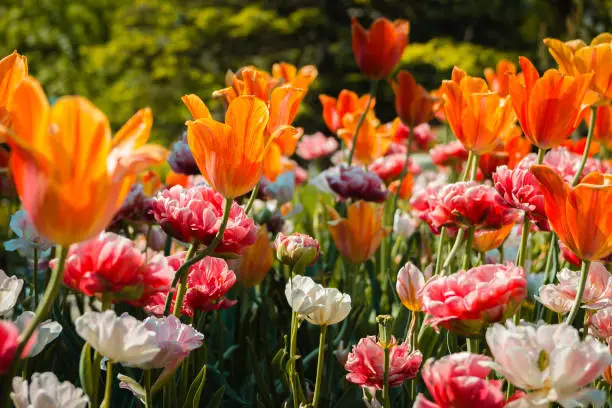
467,301
597,293
422,139
9,340
520,189
565,163
389,168
468,204
358,184
207,283
195,214
365,363
600,324
460,380
111,263
311,147
449,155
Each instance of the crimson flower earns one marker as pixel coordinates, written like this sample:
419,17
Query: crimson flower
355,183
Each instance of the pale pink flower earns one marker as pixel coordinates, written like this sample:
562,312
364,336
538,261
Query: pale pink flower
175,341
410,281
549,362
600,324
565,163
520,189
460,380
28,239
365,363
296,247
314,146
451,154
467,301
597,292
195,214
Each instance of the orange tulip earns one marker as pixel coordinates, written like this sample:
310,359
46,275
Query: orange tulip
151,182
230,155
359,235
405,191
284,103
477,116
70,175
347,102
176,179
248,81
290,74
487,240
576,58
378,50
438,106
413,104
580,216
373,139
603,123
256,260
13,69
511,149
498,79
549,108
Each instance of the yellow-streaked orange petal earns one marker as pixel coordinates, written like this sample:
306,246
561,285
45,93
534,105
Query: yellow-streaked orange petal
284,103
485,241
562,54
13,69
197,107
287,137
135,132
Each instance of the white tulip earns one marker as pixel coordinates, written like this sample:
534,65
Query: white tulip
45,391
403,224
46,332
549,362
333,307
10,287
123,339
301,293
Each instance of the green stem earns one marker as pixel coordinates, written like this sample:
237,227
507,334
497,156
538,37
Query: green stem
550,277
292,356
584,272
320,363
439,251
453,251
541,153
252,198
467,258
184,268
35,277
472,345
587,146
147,384
474,171
482,258
108,390
182,287
386,396
521,257
373,86
468,167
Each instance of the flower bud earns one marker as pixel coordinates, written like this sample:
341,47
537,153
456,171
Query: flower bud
385,337
410,280
296,248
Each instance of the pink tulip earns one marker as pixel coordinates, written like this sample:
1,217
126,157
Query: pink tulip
597,293
365,363
311,147
9,340
600,324
467,301
460,381
194,214
389,168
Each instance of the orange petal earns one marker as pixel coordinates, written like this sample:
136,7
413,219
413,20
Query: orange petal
197,107
13,69
562,54
135,132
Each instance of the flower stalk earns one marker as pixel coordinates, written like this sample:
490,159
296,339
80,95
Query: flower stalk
587,146
320,364
584,273
373,86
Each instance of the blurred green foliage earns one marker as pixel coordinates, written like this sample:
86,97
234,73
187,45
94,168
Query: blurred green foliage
127,54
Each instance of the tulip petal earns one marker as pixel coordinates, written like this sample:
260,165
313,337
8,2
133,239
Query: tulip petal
196,106
135,132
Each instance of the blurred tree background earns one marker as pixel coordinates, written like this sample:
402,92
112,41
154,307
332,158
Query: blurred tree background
127,54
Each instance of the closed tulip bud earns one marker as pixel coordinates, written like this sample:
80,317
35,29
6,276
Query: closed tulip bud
410,280
296,248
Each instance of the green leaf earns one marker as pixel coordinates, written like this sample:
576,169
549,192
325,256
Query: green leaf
85,369
195,390
216,399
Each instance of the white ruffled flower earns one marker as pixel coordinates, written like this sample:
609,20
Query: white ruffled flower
45,391
47,331
333,307
302,294
28,238
549,362
403,224
10,287
122,339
